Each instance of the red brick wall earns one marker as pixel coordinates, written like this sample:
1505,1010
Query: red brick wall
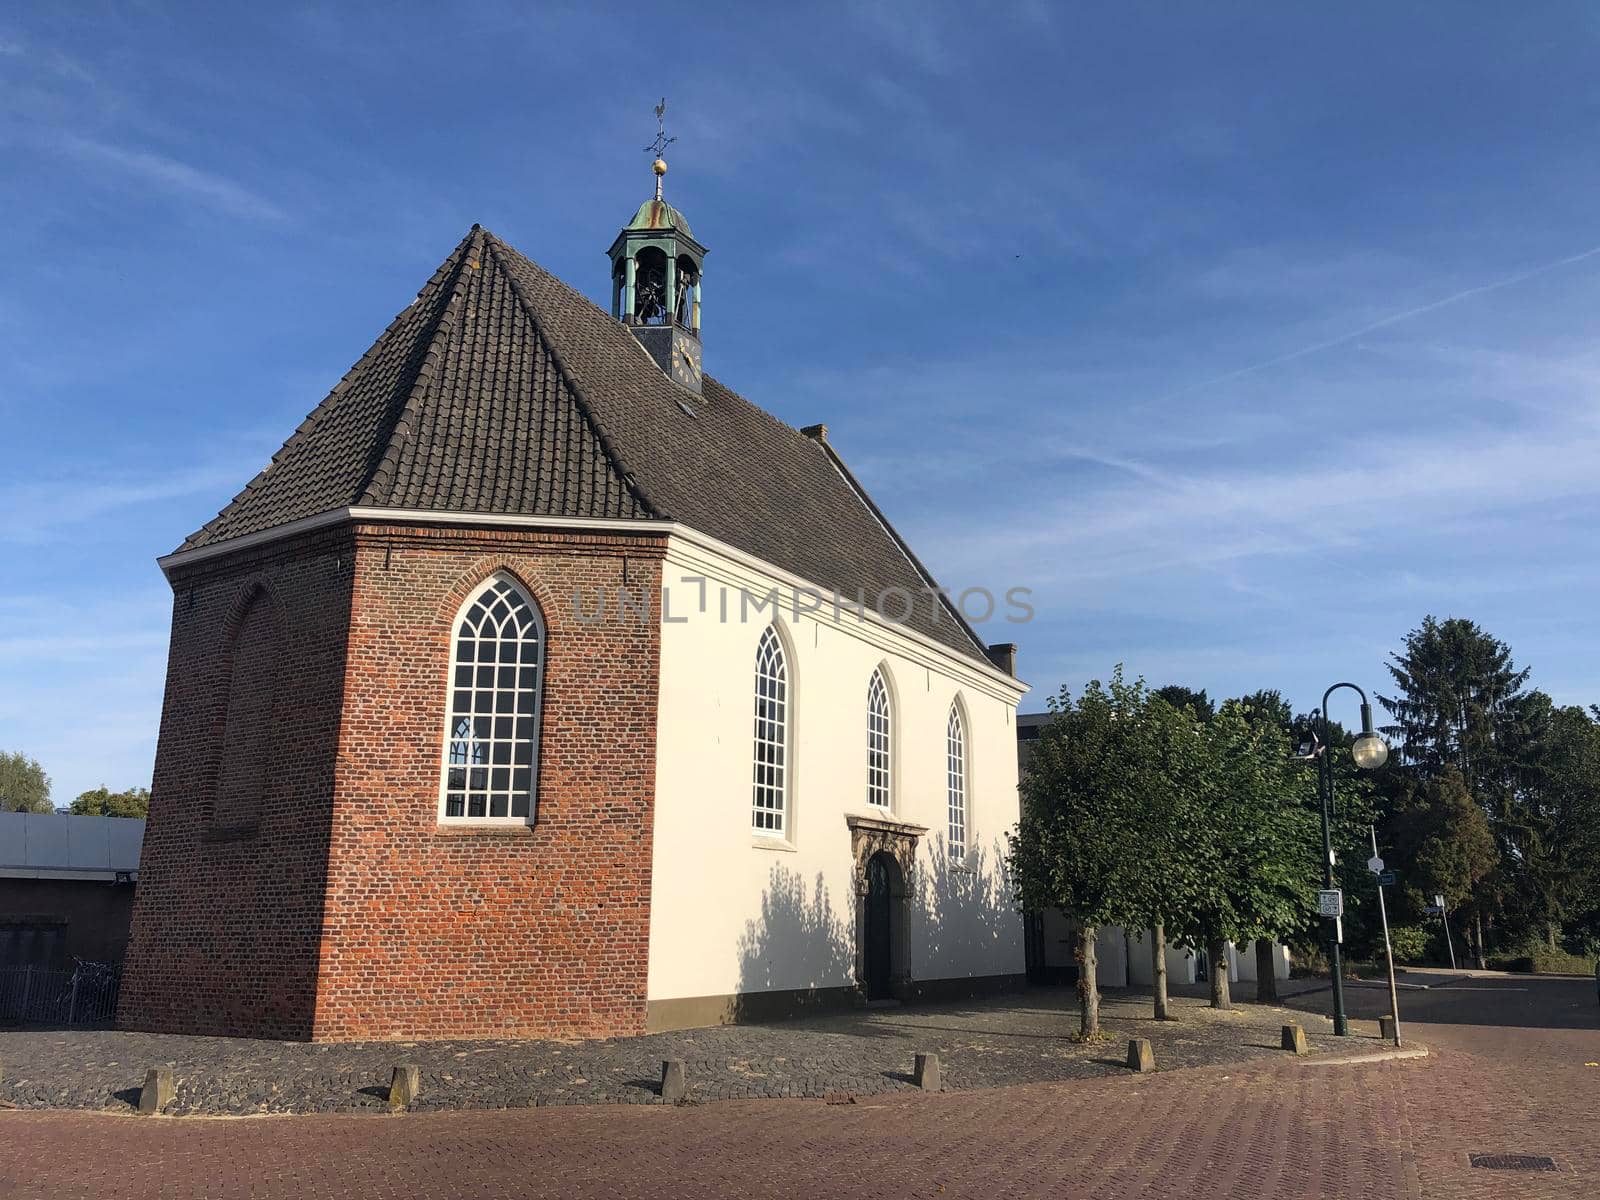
436,931
228,913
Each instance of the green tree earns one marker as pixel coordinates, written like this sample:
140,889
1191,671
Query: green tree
1085,808
1197,702
1255,836
1554,827
1464,703
1443,833
1268,709
1460,702
135,802
1170,876
24,787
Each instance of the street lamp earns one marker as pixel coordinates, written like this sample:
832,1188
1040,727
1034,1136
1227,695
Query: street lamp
1370,753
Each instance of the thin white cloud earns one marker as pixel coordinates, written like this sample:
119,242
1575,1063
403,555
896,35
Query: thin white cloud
36,507
1384,322
1147,520
175,178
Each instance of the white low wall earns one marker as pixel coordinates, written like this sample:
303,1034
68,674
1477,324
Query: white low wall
1247,962
1124,958
1180,962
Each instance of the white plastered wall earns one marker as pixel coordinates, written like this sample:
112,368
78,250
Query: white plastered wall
735,913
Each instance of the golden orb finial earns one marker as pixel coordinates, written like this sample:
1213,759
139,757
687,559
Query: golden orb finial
659,166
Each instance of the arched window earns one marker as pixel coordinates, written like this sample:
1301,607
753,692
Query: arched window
491,753
955,744
879,730
769,793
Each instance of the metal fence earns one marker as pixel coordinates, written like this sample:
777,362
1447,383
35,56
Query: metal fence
85,995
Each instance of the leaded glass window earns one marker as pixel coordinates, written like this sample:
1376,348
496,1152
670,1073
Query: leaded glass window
491,761
770,786
878,734
956,781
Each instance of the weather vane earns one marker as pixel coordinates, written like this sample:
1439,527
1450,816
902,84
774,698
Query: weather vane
659,146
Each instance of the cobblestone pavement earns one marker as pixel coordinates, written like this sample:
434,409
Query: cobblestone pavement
1022,1039
1507,1075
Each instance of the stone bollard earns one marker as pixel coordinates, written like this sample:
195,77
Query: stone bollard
674,1080
925,1072
157,1091
1141,1057
405,1085
1386,1028
1294,1040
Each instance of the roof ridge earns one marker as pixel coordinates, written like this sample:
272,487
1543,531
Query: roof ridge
381,477
607,446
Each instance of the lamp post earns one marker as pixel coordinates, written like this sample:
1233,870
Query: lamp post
1370,753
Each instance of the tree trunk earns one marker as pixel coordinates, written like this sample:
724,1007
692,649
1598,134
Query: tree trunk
1266,971
1088,985
1158,970
1218,952
1477,942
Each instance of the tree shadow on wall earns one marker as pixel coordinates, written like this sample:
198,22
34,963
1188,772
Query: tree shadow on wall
965,915
800,944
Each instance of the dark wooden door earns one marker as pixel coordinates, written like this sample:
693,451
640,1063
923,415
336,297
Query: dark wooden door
879,931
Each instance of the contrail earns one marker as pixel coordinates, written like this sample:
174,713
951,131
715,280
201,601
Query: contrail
1392,319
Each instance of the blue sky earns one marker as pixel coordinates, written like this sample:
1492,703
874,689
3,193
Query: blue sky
1244,335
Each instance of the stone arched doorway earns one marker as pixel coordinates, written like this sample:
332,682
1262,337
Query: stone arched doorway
885,854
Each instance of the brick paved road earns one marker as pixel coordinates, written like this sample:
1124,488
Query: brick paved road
1282,1129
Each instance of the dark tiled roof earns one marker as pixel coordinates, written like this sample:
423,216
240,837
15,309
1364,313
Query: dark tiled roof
503,390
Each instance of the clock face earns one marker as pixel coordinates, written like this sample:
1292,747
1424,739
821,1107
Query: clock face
686,366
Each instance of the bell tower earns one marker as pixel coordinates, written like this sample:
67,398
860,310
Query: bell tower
656,277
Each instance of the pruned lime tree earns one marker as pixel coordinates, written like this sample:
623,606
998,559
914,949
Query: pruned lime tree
1254,841
1170,875
1094,790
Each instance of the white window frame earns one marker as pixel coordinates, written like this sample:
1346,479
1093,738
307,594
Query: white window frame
956,773
531,711
880,743
772,764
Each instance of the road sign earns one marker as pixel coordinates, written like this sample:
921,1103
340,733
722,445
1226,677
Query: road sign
1330,902
1432,910
1385,878
1375,865
1438,902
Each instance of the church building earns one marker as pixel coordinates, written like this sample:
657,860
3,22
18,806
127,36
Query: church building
542,685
